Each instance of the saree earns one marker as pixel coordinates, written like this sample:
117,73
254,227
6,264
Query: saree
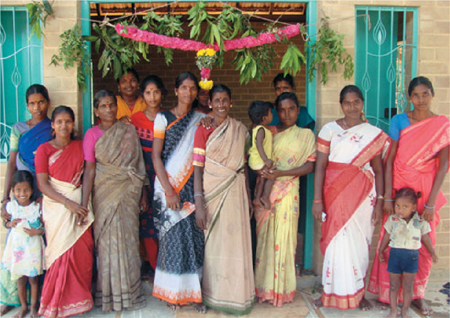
124,110
276,229
415,166
119,177
349,198
228,283
68,255
181,242
147,230
30,141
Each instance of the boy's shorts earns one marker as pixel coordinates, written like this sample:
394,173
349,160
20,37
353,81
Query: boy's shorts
402,260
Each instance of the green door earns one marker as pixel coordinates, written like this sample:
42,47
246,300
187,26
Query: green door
20,67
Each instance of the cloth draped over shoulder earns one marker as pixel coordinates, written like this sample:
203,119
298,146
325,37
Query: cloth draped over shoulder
415,166
61,228
67,285
30,141
276,229
119,178
349,196
177,158
228,283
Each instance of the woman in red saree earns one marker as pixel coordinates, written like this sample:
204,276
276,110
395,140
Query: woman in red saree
419,160
348,184
68,255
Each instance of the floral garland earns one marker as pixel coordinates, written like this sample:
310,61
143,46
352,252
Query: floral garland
206,54
190,45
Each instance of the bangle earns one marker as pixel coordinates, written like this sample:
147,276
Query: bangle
380,197
169,196
429,207
317,201
198,195
389,200
6,199
5,224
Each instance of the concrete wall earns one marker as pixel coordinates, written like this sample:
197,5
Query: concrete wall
433,62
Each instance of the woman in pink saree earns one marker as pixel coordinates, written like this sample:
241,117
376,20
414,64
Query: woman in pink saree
419,160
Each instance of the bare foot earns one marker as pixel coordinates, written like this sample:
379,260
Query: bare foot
22,312
34,312
381,305
364,305
423,306
172,307
317,303
4,309
265,202
405,315
200,308
392,314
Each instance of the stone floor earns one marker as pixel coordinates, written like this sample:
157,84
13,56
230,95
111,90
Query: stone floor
301,307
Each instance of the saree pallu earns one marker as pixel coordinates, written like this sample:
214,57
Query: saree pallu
119,178
276,229
68,257
415,166
181,242
349,197
30,141
228,283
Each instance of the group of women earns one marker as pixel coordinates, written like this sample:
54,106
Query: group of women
176,181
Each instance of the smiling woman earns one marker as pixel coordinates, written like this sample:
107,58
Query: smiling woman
129,102
68,255
222,208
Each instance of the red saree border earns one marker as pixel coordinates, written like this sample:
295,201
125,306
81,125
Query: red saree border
343,302
65,311
374,148
274,298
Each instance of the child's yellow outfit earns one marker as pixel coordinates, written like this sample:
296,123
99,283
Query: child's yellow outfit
255,161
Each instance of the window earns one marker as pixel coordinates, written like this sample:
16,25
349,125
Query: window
385,59
20,67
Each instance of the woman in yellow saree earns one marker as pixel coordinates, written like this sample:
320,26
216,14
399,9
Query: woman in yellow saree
276,229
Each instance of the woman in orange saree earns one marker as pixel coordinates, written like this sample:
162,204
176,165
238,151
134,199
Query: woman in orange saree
419,160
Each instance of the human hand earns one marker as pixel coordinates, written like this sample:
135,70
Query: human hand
80,211
377,215
381,257
317,210
173,200
434,257
200,214
13,223
388,207
32,231
125,120
143,204
428,214
206,122
271,174
5,215
269,164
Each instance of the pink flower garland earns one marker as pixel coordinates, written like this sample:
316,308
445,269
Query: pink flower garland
190,45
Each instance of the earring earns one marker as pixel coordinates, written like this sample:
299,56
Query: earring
176,94
231,105
210,107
